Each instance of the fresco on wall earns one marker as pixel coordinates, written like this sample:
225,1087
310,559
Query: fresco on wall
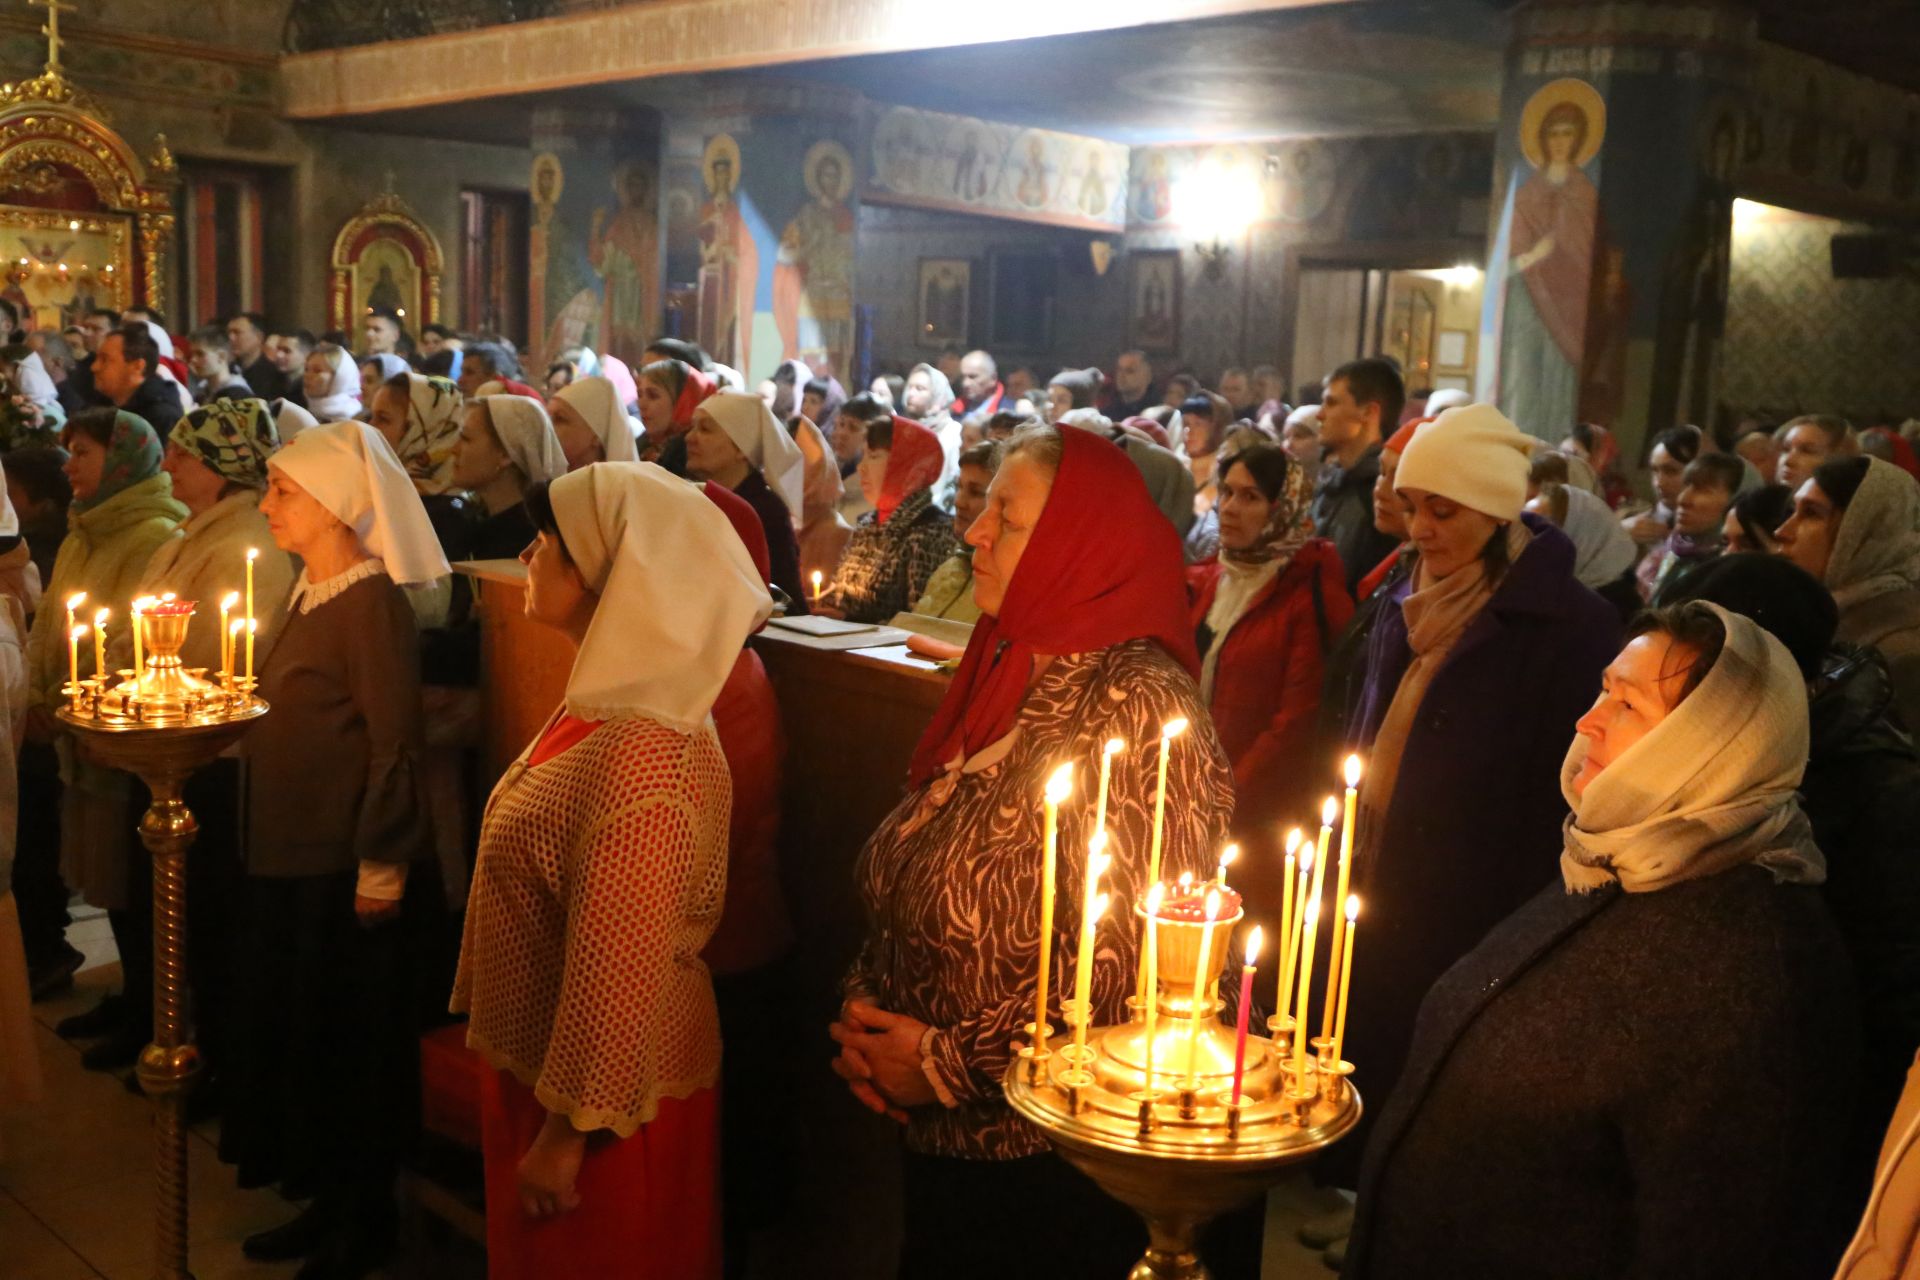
1291,182
957,162
1549,241
593,262
729,259
813,273
623,246
1819,127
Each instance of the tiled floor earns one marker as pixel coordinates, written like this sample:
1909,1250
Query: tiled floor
76,1181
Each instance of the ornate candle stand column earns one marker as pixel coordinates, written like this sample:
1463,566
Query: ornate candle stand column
163,724
1182,1151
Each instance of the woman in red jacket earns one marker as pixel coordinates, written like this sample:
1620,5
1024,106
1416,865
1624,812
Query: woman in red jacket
1264,611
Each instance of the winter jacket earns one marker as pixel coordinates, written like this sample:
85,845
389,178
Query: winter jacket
1343,514
1862,792
1620,1085
1890,622
754,928
1473,825
1267,680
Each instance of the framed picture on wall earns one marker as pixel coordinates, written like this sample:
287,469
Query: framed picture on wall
1153,300
945,301
1451,350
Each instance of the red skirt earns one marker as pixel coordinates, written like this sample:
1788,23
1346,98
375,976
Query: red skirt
649,1204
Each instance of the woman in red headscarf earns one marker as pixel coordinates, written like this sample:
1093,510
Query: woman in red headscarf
669,391
1084,638
896,547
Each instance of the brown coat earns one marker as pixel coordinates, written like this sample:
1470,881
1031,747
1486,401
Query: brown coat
1886,1247
334,778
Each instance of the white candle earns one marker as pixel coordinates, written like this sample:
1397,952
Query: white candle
1334,961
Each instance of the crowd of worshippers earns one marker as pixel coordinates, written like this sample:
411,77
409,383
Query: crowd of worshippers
1639,835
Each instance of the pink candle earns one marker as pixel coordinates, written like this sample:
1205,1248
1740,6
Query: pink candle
1246,1003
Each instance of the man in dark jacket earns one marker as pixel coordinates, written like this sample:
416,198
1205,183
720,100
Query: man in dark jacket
124,372
1360,404
247,338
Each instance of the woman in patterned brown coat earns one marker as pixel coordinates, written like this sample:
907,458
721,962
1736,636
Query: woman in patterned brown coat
1086,642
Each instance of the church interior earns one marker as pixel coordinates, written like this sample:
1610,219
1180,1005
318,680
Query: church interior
1652,234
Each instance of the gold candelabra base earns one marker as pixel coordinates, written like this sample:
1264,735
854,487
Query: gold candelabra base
164,755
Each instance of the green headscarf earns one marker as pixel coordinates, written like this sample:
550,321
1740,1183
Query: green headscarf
233,437
133,455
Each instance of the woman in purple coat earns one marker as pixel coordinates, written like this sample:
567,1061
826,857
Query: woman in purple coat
1481,663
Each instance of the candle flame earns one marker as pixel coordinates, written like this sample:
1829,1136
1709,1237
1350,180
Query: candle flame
1100,905
1060,784
1213,905
1353,907
1155,896
1294,838
1099,840
77,632
100,617
1306,859
167,597
1186,881
239,625
1313,906
1227,855
816,579
1254,940
253,626
229,600
1329,811
1353,771
1098,867
253,553
75,601
1114,747
1173,728
144,602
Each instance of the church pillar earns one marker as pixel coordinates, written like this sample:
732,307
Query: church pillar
1606,282
593,275
765,230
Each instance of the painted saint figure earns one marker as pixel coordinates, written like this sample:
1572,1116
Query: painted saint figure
813,275
1555,224
625,250
729,260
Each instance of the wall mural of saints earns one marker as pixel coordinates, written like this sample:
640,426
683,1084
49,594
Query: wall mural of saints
1553,236
729,259
623,244
813,272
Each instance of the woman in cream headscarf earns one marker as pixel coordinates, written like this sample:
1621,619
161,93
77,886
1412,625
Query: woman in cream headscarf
1856,527
823,533
506,446
737,442
324,973
592,424
1668,1022
331,382
589,996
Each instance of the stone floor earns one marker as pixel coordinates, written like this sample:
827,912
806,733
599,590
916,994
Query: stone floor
76,1181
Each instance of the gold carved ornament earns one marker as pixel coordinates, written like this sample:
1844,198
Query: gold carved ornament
386,210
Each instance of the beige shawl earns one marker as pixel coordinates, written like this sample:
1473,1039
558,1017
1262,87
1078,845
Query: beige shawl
1437,615
1877,549
1709,788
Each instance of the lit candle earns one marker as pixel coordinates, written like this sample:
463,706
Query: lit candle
1246,1003
1227,855
1200,975
1346,976
1059,787
1168,732
73,654
1093,903
227,602
1156,894
1329,810
1306,981
1113,748
100,644
1290,963
73,605
816,588
1294,838
253,553
253,629
1339,921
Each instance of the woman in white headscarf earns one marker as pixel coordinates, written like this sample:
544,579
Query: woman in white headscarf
1669,1021
928,399
1604,553
822,534
331,382
589,996
323,969
1856,527
737,442
506,447
592,424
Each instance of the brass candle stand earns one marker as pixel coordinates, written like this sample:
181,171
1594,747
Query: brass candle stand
163,724
1188,1151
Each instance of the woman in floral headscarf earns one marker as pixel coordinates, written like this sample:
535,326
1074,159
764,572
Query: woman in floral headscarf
420,417
898,545
1264,611
123,510
217,456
